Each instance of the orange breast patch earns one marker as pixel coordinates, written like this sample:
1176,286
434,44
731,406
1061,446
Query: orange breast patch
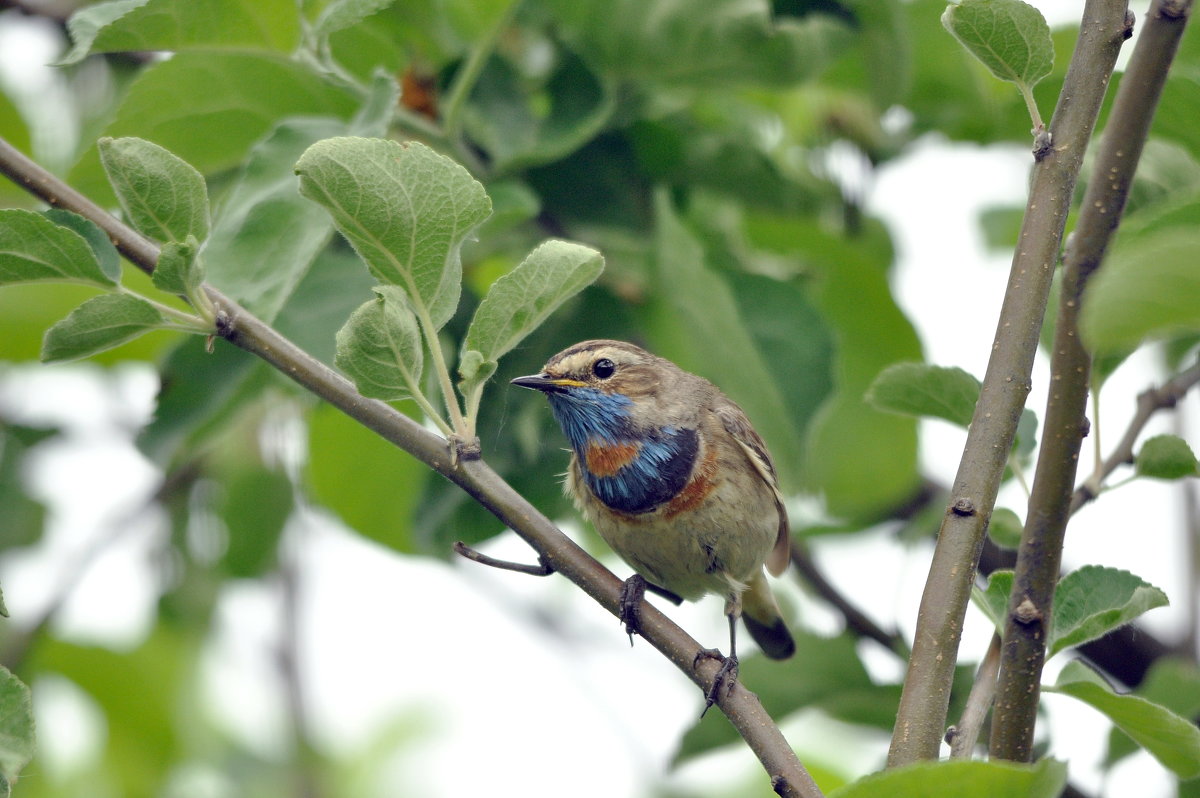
606,461
696,491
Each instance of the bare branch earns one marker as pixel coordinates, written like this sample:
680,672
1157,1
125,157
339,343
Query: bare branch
1039,556
923,704
963,736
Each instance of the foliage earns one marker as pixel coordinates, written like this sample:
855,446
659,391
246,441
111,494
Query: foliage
432,197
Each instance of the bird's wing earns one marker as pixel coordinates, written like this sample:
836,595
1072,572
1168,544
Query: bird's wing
733,418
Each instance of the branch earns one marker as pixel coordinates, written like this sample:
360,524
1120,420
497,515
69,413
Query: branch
924,701
1039,556
963,735
1149,402
242,329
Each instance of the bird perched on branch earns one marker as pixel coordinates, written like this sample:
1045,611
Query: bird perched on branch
675,479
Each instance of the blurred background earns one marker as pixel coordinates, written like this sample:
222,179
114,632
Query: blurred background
219,587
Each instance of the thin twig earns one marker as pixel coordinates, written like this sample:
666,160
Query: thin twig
921,719
963,736
243,329
1039,557
1149,402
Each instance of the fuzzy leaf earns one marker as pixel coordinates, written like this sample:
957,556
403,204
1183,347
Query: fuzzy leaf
380,346
1172,740
1166,457
918,389
404,208
178,270
962,779
102,246
98,324
163,195
16,726
34,248
1010,37
1093,600
520,301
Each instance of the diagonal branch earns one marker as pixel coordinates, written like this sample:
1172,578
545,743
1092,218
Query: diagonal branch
925,699
1039,557
243,329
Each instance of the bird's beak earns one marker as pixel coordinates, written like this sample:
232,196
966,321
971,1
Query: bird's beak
545,384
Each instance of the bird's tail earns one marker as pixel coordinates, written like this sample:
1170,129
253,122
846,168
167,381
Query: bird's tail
761,615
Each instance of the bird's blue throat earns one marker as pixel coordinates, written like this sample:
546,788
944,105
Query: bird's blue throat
657,471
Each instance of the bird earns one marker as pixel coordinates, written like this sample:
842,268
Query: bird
674,478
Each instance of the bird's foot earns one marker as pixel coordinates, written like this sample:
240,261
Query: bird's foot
725,678
632,592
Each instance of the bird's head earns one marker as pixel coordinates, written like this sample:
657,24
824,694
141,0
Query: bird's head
604,389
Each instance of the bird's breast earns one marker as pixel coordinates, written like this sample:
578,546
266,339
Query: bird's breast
638,476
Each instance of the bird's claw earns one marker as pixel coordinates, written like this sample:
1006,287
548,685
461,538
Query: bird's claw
633,590
725,678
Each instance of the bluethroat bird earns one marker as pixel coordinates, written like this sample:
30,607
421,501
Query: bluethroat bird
675,479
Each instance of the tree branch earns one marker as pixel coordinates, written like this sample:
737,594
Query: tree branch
1039,556
243,329
924,701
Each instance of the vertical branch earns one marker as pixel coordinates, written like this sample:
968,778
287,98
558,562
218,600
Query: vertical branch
921,719
1040,554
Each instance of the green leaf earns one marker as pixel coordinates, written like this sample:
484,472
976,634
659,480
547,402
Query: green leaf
1091,601
196,104
1010,37
520,301
1166,457
993,597
22,517
341,14
1172,682
404,208
102,246
178,270
373,486
962,779
98,324
1005,528
266,235
16,726
1148,287
162,195
918,389
1172,740
380,346
255,503
1088,603
140,25
34,248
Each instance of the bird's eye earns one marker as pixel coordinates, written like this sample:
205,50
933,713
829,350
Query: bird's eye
604,368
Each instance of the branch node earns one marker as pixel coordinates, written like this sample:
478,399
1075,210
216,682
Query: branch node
1027,613
780,785
1130,22
224,324
1042,142
1172,9
951,735
543,568
463,450
963,506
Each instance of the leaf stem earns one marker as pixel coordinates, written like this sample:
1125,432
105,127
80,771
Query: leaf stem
1031,104
180,319
921,719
